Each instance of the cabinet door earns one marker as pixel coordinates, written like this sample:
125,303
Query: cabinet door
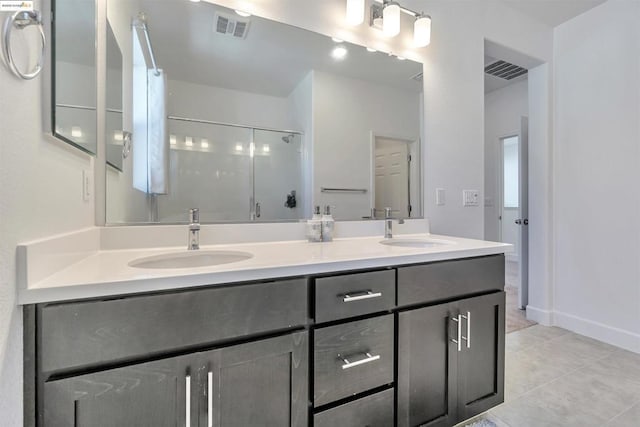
481,361
160,393
426,367
262,383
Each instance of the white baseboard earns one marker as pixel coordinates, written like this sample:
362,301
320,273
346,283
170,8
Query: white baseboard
601,332
538,315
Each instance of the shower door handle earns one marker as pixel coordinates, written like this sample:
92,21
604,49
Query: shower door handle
258,210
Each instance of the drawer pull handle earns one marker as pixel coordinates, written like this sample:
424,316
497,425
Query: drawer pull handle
187,399
361,296
369,358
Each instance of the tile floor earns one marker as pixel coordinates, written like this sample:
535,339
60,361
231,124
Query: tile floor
555,378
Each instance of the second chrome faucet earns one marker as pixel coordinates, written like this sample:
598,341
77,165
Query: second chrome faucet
194,229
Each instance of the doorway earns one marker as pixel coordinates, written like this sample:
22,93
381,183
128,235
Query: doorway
394,177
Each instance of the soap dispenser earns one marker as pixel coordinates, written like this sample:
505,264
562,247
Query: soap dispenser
327,225
314,226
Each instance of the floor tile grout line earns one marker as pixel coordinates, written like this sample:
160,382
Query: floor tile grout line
624,411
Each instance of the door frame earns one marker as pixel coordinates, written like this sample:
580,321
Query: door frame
500,192
415,149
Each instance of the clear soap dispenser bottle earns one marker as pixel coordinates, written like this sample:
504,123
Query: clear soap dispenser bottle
327,225
314,226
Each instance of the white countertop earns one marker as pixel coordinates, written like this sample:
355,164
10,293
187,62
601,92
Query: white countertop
106,272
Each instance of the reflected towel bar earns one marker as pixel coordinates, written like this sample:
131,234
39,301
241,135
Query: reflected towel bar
343,190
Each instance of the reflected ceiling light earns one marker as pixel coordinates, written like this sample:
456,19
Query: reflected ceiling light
76,131
266,148
239,147
339,53
242,13
337,40
204,143
391,19
355,12
422,31
172,139
386,17
370,49
118,136
188,141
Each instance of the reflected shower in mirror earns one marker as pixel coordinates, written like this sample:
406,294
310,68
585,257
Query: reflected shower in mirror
74,69
264,120
115,135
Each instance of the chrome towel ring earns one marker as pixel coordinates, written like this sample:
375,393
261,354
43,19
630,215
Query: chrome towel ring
21,20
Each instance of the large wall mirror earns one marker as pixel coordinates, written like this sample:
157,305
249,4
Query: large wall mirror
73,109
254,120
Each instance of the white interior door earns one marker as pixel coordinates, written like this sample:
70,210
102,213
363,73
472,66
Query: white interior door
523,214
392,177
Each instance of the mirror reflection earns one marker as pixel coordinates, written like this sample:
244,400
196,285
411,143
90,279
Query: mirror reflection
249,119
74,69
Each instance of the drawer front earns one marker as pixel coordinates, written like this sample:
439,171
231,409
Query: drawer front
352,357
449,279
88,333
339,297
371,411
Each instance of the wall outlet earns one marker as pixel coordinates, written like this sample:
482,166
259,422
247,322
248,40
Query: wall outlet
440,197
86,185
470,198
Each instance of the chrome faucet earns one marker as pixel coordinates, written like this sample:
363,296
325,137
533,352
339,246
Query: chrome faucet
388,223
194,229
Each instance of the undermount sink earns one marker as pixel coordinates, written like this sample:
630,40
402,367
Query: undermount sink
190,259
415,243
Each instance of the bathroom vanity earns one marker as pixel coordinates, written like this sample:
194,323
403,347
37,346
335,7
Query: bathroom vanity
397,342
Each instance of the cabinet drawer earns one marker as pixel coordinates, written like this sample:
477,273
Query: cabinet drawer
449,279
352,357
339,297
88,333
371,411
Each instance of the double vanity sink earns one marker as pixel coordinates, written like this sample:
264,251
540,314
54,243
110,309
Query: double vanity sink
207,258
353,332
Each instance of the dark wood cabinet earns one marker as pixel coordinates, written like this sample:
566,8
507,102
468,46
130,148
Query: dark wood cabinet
450,361
262,383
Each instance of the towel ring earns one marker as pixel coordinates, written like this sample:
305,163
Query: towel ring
21,20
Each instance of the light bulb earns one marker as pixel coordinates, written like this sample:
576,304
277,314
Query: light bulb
422,31
355,12
391,19
339,53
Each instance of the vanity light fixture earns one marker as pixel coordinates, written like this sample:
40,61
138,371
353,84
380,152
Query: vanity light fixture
188,141
422,31
266,148
204,143
172,140
339,53
239,147
243,13
118,136
355,12
401,58
385,15
194,1
370,49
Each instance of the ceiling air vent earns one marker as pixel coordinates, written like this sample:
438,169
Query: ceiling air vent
504,70
231,26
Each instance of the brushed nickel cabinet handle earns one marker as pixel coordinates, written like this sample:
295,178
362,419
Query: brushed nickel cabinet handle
187,400
361,296
468,337
458,341
210,399
368,359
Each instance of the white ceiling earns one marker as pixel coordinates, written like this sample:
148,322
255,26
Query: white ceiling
553,12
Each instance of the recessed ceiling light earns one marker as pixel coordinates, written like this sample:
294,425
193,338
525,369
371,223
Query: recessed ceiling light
243,13
337,40
370,49
339,53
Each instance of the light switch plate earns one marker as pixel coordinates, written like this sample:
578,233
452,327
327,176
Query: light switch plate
440,197
470,198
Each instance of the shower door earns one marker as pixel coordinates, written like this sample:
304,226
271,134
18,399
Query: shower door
278,180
